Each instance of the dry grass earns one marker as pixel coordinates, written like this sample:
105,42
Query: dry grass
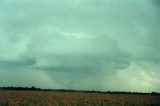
44,98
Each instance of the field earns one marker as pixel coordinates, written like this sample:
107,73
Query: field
48,98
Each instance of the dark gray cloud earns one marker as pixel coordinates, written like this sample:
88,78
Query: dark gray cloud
16,64
103,45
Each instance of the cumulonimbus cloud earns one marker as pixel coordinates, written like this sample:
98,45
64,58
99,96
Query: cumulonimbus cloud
94,43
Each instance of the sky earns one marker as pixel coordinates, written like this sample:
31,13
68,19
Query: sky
80,44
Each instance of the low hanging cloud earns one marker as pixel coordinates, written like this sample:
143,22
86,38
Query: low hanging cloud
94,45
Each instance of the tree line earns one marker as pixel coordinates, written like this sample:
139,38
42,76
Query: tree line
84,91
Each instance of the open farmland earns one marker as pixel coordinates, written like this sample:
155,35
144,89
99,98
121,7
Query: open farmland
50,98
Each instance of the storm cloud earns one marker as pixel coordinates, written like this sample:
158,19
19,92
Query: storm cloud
73,44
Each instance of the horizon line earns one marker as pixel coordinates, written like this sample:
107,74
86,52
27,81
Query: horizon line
33,88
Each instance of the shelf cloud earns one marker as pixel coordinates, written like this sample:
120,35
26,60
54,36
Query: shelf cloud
73,44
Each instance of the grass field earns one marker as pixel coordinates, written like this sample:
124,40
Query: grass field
48,98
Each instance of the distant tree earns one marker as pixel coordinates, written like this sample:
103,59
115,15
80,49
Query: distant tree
33,88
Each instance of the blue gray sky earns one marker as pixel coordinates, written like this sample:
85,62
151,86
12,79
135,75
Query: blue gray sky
80,44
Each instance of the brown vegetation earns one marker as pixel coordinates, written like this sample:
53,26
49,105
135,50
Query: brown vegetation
50,98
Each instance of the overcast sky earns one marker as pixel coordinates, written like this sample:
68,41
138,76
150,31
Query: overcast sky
80,44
